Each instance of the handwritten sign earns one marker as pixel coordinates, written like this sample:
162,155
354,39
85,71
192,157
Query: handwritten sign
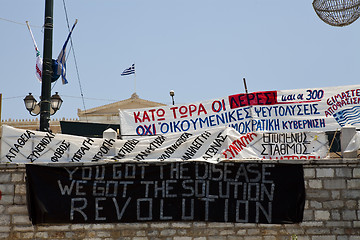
212,145
186,191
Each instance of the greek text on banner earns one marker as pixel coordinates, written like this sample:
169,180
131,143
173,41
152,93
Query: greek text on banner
316,109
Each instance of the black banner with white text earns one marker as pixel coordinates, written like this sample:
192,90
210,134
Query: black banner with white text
176,191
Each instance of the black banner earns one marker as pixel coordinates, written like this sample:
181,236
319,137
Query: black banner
176,191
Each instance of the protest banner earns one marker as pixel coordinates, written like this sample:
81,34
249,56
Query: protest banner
212,145
175,191
315,109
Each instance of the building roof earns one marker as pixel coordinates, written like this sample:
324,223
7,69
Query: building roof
113,108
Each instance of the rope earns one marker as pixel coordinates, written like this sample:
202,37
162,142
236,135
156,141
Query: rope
13,97
7,20
98,99
95,99
76,66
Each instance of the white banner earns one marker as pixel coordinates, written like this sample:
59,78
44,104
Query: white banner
305,110
212,145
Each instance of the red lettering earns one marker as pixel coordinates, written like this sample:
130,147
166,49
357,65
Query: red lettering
257,98
136,116
152,114
201,109
192,109
183,110
239,145
174,111
160,113
146,117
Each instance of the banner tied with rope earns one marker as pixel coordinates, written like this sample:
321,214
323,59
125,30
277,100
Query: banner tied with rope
212,145
300,110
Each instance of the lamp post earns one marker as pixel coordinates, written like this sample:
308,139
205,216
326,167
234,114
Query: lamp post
172,94
47,68
43,107
47,105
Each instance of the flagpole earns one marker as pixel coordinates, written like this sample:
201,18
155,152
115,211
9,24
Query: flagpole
135,82
32,37
250,106
39,62
134,78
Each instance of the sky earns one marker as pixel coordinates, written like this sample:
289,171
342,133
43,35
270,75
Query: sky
200,49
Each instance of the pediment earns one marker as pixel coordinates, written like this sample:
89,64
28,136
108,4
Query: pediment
113,108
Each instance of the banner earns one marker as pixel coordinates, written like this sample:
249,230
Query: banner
212,145
176,191
316,109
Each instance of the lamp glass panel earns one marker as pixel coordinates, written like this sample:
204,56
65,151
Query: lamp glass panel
56,103
30,103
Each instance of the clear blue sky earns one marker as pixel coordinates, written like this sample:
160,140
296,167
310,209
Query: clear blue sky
201,49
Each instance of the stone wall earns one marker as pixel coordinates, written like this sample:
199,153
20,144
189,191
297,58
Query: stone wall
34,124
332,212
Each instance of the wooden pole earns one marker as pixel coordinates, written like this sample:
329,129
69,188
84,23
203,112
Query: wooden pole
246,90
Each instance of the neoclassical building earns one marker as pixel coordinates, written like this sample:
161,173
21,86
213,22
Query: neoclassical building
109,113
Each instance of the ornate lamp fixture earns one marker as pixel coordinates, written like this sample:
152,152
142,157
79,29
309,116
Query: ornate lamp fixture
337,13
172,94
56,102
34,107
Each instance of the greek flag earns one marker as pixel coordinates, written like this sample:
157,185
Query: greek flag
61,63
350,116
128,71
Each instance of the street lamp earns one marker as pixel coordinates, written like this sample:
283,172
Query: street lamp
34,107
56,102
48,105
172,94
31,104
